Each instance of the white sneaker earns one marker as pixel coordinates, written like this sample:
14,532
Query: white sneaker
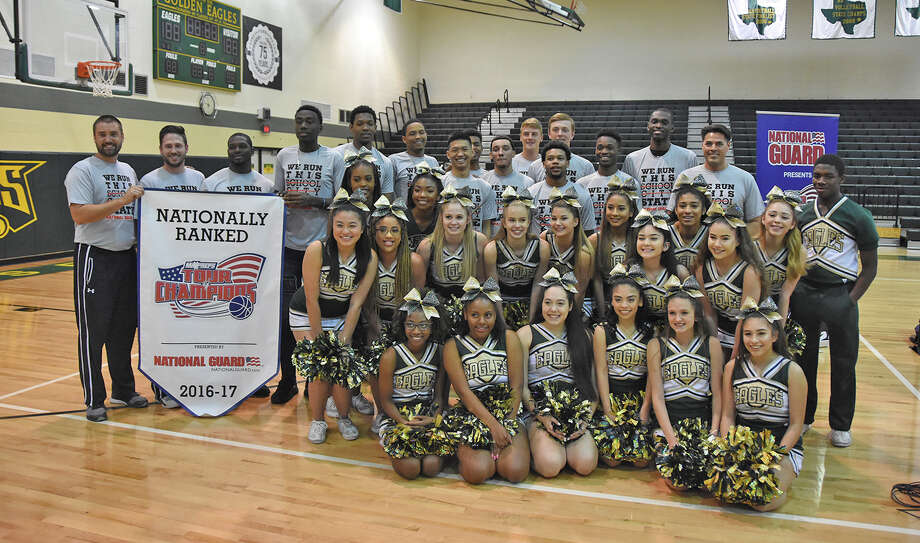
375,426
331,409
317,432
805,428
348,429
362,405
169,402
840,438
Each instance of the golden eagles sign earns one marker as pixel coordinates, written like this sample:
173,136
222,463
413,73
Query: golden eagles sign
16,208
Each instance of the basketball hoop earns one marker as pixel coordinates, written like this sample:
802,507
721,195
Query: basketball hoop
101,75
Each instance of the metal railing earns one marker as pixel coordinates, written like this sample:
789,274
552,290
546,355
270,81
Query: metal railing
392,119
498,109
883,202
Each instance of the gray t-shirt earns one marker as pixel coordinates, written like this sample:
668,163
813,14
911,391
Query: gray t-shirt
404,171
596,185
521,164
226,180
499,184
479,172
386,167
541,191
95,181
578,168
729,186
188,181
319,174
485,208
656,174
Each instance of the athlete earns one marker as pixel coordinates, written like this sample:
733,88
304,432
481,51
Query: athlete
562,128
424,193
688,233
606,147
503,174
238,176
404,164
530,136
780,247
569,248
611,240
485,208
475,137
649,247
556,156
363,125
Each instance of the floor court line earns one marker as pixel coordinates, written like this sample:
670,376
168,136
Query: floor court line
525,486
894,371
51,382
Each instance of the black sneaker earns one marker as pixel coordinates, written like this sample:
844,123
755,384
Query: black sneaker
262,392
96,414
136,401
284,394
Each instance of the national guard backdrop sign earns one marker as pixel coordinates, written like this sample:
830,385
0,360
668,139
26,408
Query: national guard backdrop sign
209,274
788,145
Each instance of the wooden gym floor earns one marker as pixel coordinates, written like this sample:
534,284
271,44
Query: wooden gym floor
159,475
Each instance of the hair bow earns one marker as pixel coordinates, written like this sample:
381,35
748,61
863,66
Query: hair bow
472,289
567,281
791,197
698,183
634,273
383,207
451,193
659,220
425,168
732,215
767,309
356,199
568,197
361,154
510,195
627,187
690,287
427,305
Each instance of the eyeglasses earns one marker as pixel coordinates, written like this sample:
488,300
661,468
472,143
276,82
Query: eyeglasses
384,230
418,325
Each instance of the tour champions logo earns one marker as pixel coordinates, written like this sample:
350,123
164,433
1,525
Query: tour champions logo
794,147
211,289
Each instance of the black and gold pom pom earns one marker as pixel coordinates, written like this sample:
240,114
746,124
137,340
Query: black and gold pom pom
371,352
625,438
405,441
327,359
795,339
564,402
743,467
468,430
687,464
517,313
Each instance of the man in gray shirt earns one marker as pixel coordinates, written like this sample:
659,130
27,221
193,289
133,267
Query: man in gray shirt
606,149
656,166
562,128
475,136
238,176
101,192
556,161
363,125
459,152
503,176
415,137
531,136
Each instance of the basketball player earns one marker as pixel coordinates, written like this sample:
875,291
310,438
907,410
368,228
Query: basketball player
606,148
476,142
531,136
101,192
414,137
562,128
835,230
238,176
172,175
306,176
504,176
363,125
556,156
459,153
657,166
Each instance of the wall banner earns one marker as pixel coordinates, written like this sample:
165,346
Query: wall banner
907,18
209,288
788,145
834,19
756,20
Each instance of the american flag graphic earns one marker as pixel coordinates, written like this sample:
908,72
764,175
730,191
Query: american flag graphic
253,361
817,138
244,268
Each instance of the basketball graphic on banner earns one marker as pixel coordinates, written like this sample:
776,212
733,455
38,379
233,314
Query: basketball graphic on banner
240,307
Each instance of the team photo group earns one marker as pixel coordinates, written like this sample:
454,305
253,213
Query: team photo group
549,313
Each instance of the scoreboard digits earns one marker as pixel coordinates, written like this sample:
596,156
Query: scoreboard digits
198,42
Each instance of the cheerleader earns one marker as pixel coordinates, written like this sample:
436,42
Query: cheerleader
338,276
483,363
413,392
570,251
684,373
650,249
610,241
560,396
424,192
691,200
765,390
780,247
621,372
515,258
450,255
362,173
729,270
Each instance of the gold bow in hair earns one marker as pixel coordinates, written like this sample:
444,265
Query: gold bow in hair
567,281
383,207
451,193
423,168
510,195
659,220
791,197
568,197
767,309
361,154
689,286
699,183
472,289
427,305
635,273
627,187
356,199
732,215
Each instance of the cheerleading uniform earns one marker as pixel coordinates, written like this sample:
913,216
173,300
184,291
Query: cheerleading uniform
563,261
686,252
484,365
516,273
448,280
724,293
627,370
413,379
385,291
685,373
762,401
548,358
774,269
334,299
655,295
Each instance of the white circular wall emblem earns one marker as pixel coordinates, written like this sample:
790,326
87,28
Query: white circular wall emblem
263,54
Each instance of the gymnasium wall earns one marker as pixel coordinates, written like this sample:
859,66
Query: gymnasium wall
633,50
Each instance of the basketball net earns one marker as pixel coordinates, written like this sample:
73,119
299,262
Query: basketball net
102,75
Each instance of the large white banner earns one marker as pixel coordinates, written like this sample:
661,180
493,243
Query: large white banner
209,287
907,18
843,19
756,20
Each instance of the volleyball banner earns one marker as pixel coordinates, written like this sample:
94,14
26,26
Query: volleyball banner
907,18
788,145
756,20
209,295
834,19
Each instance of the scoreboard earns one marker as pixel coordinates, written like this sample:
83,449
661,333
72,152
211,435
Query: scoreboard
198,42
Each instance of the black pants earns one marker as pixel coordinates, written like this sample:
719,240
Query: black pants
105,300
290,282
813,305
